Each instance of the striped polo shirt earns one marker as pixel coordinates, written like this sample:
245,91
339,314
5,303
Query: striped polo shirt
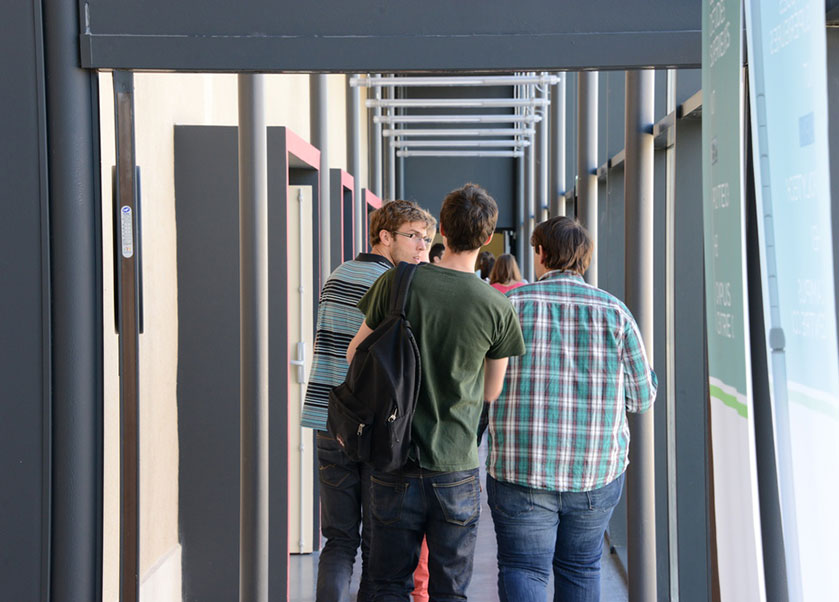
338,321
560,422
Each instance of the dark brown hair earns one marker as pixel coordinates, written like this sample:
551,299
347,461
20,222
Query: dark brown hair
391,215
484,263
565,244
467,218
505,270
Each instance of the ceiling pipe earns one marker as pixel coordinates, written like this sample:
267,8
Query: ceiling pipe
456,102
456,143
459,119
496,80
461,132
457,153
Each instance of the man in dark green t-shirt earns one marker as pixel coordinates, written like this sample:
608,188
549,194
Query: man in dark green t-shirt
466,331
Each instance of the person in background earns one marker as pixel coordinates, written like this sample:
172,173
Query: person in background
558,433
505,275
484,265
420,593
428,254
436,252
398,232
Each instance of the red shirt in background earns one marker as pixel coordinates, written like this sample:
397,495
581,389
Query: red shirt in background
504,289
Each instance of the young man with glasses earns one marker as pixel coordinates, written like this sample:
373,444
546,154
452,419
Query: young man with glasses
558,435
466,331
398,232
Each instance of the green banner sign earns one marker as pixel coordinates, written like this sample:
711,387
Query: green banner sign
739,552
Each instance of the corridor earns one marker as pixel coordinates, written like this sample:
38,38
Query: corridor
303,567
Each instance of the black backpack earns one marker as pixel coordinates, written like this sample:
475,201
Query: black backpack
371,412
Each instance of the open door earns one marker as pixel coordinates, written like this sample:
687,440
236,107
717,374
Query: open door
300,344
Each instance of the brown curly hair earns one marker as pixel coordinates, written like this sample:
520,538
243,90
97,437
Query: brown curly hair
391,215
565,244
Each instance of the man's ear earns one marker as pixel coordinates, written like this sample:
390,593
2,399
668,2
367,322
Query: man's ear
488,240
386,237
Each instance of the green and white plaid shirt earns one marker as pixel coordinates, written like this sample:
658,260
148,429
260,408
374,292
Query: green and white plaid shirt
560,423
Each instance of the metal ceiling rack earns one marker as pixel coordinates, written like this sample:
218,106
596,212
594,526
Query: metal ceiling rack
478,125
522,111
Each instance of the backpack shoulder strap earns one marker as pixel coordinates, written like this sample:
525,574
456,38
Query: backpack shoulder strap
401,283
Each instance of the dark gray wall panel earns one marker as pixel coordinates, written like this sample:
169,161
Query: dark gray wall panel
207,206
692,454
660,366
375,35
278,358
688,83
660,94
429,179
603,132
336,217
611,250
206,192
571,133
341,218
349,223
611,233
611,111
75,342
615,112
24,369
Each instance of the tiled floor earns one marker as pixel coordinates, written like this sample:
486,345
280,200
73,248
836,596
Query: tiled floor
303,569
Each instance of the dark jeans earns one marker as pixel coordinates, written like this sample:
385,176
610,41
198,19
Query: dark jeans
443,506
344,497
538,529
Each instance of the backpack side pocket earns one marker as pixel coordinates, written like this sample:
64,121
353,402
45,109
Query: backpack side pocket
349,424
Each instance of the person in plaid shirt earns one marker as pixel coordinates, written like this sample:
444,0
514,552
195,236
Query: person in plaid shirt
558,434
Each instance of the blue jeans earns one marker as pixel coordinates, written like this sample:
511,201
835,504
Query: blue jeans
443,506
537,529
344,497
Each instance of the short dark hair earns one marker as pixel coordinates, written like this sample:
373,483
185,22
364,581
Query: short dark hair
565,244
467,218
391,215
436,250
505,270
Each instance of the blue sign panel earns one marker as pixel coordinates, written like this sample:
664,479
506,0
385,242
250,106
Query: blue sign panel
788,79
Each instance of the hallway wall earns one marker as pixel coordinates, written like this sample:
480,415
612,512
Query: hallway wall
163,100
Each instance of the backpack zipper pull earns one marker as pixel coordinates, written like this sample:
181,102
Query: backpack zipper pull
392,417
360,429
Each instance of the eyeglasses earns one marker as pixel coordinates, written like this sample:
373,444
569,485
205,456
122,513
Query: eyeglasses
414,236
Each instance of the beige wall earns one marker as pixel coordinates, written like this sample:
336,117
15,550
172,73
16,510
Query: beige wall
161,102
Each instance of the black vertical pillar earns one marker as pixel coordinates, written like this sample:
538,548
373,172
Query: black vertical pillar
76,295
24,304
